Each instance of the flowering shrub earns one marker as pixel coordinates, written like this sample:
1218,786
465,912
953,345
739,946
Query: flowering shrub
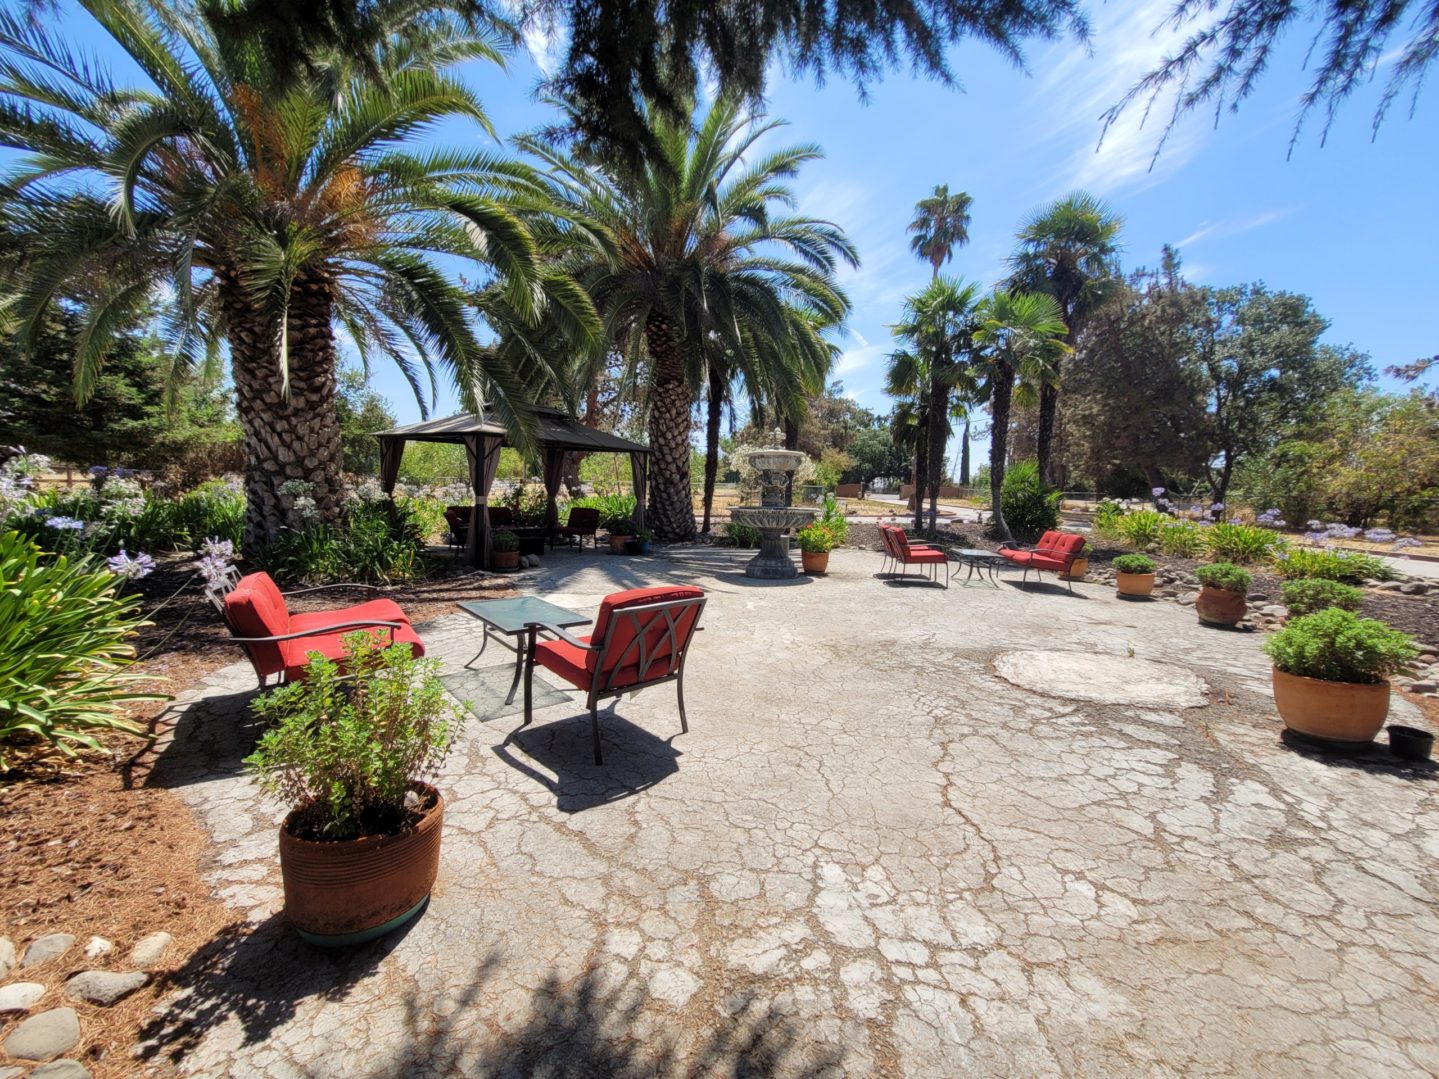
816,538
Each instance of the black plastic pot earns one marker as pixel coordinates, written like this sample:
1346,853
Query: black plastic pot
637,547
1410,743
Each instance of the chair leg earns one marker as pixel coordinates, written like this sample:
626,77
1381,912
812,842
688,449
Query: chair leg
680,689
529,678
595,729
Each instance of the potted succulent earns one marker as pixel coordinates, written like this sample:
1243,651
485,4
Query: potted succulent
505,549
1134,574
1221,599
621,529
1330,671
641,543
350,751
815,541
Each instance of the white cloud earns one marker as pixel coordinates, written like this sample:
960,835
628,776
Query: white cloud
864,359
1222,229
546,45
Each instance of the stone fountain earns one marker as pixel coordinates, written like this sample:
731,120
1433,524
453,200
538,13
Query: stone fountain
772,517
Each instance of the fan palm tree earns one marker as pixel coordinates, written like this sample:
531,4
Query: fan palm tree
1018,334
1069,249
705,268
266,212
938,323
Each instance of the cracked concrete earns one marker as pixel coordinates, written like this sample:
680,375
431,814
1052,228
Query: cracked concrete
870,855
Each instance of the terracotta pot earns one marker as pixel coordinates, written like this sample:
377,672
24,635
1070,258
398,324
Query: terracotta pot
1134,584
1077,569
506,559
352,890
814,561
1334,711
1220,606
617,543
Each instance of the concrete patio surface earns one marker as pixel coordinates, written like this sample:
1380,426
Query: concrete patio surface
871,855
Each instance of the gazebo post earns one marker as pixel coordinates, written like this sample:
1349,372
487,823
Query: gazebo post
639,474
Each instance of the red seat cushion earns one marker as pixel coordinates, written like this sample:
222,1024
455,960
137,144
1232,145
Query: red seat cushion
376,610
332,646
1044,561
1019,558
924,557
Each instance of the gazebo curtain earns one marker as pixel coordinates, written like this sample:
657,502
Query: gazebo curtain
483,453
391,450
554,473
639,474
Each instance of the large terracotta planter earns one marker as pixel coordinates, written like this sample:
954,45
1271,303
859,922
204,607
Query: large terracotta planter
505,559
617,543
1334,711
1077,569
1220,606
349,891
814,561
1134,584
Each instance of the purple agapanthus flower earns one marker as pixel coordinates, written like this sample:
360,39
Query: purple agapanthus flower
97,470
218,548
1216,507
1380,535
64,524
131,568
1407,541
1196,509
1157,492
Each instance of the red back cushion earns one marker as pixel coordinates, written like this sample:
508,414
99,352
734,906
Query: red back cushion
256,609
648,634
1069,544
1050,540
887,539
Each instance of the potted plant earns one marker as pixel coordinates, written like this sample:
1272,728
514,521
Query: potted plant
1077,569
351,750
1134,574
505,549
622,530
1221,599
815,541
641,543
1330,671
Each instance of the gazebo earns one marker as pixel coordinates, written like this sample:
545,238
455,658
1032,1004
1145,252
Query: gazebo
483,436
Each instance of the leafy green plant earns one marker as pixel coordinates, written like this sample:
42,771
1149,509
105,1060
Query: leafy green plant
505,541
1224,575
1317,594
351,739
620,526
1346,566
815,538
64,651
1241,543
742,535
1133,563
1337,646
383,542
1030,509
1142,528
833,519
608,505
1106,518
1183,539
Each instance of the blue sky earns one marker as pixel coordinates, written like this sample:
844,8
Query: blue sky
1350,223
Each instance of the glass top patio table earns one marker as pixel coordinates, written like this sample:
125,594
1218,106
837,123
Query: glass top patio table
510,616
978,554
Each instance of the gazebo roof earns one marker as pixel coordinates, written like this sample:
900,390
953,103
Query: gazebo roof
554,429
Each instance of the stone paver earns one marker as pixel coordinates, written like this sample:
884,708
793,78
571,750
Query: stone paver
870,855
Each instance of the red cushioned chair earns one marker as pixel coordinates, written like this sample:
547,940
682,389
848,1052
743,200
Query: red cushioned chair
641,639
280,643
583,521
905,553
1055,551
457,518
891,548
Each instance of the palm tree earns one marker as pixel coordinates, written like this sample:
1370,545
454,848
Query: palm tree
1069,249
705,267
938,323
1018,334
941,223
268,209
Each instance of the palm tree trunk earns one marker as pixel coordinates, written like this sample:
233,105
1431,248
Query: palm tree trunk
938,413
1000,394
921,471
670,508
1044,439
964,457
292,436
712,438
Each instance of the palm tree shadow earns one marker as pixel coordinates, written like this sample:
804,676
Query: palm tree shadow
206,739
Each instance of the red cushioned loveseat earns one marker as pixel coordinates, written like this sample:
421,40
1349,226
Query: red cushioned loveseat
1055,551
280,643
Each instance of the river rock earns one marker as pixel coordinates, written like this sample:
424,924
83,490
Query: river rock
1274,610
45,1036
1187,599
98,947
104,987
11,1073
1423,686
7,957
61,1069
20,996
47,947
150,950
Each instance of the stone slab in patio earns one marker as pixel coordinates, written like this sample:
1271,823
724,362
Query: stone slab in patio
870,855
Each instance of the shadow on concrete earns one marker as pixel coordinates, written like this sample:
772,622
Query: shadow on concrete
561,759
1372,757
254,976
1044,588
583,1030
204,740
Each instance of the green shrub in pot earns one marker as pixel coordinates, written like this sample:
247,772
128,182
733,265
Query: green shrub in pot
504,541
1338,646
1133,563
1318,594
1224,575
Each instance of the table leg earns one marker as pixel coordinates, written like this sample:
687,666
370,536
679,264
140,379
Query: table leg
484,640
519,669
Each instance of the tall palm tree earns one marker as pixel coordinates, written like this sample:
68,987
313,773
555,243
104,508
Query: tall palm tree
267,210
1069,249
1021,335
704,261
941,223
938,323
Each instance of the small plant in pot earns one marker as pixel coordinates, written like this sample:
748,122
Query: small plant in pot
815,543
505,549
1330,673
1310,594
621,529
1221,599
351,750
641,543
1134,574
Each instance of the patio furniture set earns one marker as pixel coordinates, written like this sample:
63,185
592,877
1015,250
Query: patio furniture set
1056,552
583,523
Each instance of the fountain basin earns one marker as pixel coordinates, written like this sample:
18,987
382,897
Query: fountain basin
773,562
776,460
778,518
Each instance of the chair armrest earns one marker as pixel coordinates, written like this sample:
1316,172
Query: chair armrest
317,632
325,587
561,633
